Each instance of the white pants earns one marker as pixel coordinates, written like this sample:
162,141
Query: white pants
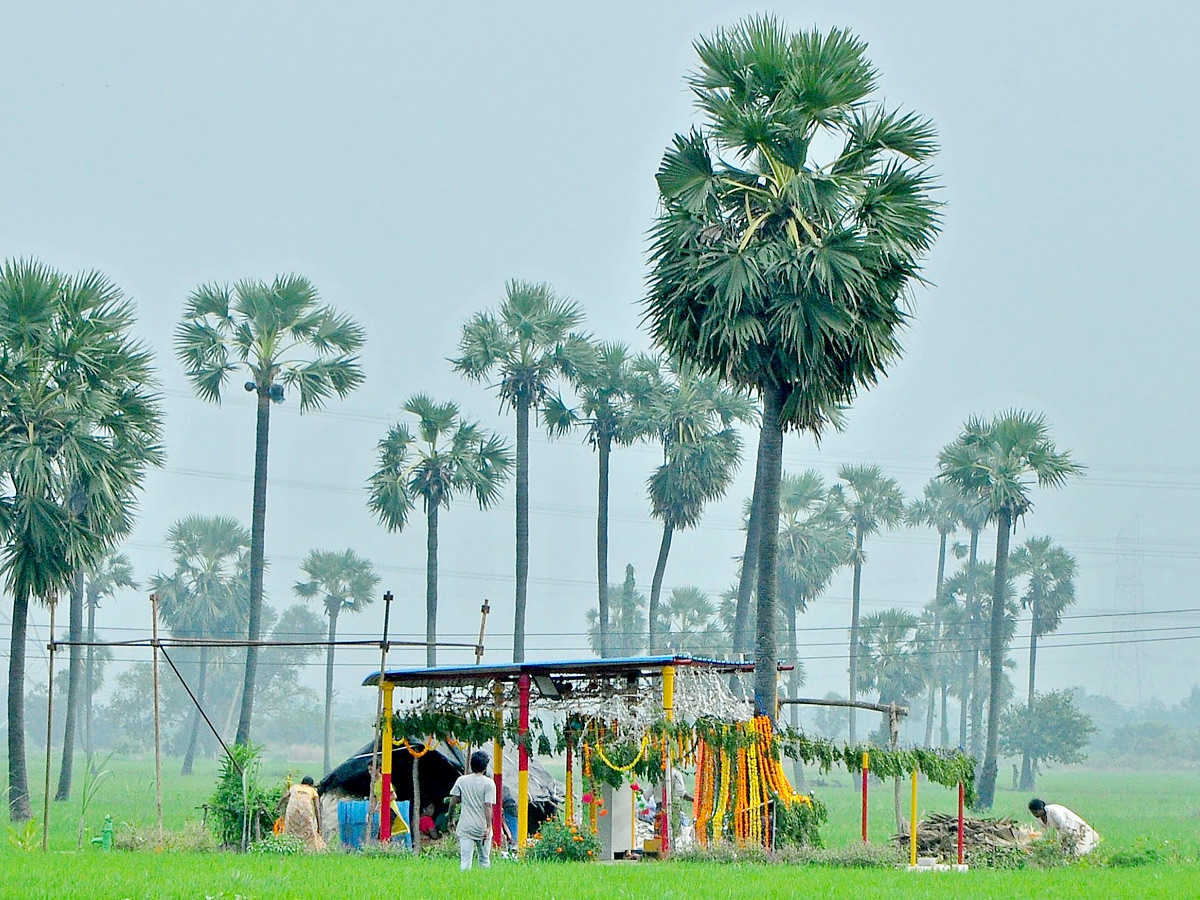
466,852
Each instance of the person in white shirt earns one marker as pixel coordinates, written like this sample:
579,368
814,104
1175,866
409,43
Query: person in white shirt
477,794
1078,836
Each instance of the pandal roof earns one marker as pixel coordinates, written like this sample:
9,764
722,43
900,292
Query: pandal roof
627,667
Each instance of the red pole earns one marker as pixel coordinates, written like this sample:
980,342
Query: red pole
498,765
523,762
866,768
961,794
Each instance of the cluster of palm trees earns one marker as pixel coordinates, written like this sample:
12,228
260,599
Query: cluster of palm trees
793,220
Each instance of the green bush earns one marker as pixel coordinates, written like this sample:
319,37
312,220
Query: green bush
558,841
192,838
799,825
278,845
240,807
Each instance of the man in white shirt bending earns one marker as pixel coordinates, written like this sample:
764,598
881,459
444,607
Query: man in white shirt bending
477,794
1078,836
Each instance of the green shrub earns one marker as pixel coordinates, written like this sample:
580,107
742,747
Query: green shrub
241,810
558,841
799,825
278,845
1142,853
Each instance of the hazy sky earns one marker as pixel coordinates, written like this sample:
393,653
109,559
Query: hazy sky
409,158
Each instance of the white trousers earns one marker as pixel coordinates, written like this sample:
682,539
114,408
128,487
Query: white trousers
466,852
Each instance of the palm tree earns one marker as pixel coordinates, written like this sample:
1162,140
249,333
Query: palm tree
80,423
992,461
456,455
607,396
283,337
345,582
790,225
1049,592
694,473
528,344
873,501
104,579
894,663
938,508
692,624
206,596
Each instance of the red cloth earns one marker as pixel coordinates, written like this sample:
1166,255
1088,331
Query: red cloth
426,823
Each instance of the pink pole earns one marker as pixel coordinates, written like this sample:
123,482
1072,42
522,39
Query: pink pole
961,795
866,768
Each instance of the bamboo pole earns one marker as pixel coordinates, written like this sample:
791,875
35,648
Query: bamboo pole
49,732
375,750
912,825
158,812
522,763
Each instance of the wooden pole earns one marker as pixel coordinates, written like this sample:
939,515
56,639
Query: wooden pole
498,764
49,732
522,762
414,809
375,750
893,745
483,611
157,719
668,700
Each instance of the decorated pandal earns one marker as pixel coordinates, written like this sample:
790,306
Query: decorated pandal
622,724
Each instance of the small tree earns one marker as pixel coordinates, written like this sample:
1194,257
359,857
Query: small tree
1050,729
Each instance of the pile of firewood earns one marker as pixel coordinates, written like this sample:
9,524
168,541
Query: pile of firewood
938,835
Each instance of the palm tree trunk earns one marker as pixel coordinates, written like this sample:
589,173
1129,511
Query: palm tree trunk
976,697
800,782
987,779
189,758
936,649
855,600
660,569
89,746
522,528
327,755
741,615
964,705
1027,777
74,687
604,448
258,529
431,586
945,729
18,776
766,656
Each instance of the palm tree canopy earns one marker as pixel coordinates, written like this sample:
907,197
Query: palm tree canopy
678,404
939,508
609,391
454,455
695,473
527,344
814,537
208,593
788,265
80,423
996,460
1049,571
894,663
343,580
106,577
280,331
874,500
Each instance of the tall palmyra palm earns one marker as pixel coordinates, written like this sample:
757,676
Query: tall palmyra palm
344,582
692,416
81,424
938,508
207,594
873,501
527,344
993,460
791,224
692,625
1049,574
608,394
280,334
893,662
104,579
454,456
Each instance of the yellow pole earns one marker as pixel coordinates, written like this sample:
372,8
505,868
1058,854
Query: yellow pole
668,688
385,767
498,764
912,824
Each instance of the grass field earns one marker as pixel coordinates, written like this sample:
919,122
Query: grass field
1130,810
